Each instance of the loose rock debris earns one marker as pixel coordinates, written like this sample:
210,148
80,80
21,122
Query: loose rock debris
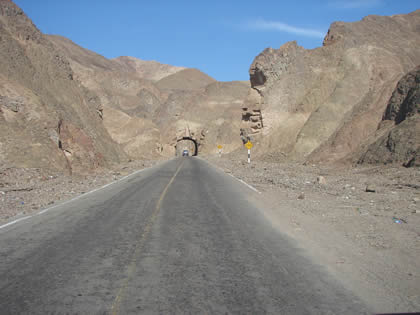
25,190
347,229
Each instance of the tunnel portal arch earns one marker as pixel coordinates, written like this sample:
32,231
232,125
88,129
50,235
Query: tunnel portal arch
195,153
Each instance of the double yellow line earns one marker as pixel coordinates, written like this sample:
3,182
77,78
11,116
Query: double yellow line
132,266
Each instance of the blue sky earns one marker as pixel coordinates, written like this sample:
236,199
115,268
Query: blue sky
219,37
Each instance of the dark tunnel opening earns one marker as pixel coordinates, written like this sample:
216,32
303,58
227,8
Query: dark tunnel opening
186,143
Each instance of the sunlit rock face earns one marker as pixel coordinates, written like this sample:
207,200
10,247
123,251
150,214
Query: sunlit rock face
47,118
146,103
324,104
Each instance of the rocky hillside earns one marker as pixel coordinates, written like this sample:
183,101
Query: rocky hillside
399,140
65,107
212,113
147,106
324,104
48,119
150,70
185,80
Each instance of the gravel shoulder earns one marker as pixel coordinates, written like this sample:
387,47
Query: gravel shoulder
362,223
26,190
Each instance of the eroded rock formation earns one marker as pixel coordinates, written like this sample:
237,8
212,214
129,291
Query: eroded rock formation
400,142
323,104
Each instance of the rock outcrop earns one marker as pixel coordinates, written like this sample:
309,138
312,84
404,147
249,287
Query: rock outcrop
400,144
323,104
47,118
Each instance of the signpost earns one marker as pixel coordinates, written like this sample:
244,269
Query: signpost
249,145
220,150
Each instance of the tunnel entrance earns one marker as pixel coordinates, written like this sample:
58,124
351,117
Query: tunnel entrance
186,143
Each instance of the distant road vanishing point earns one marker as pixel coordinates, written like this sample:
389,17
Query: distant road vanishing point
179,238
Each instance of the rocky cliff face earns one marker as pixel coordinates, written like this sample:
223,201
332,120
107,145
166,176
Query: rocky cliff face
323,104
47,118
400,128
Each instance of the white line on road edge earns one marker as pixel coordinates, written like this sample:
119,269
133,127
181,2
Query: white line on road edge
245,183
73,199
240,180
89,192
15,221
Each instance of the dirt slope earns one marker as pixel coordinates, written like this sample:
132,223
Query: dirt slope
185,80
47,118
118,85
150,70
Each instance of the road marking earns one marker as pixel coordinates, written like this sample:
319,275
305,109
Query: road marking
15,221
245,183
132,266
73,199
240,180
90,192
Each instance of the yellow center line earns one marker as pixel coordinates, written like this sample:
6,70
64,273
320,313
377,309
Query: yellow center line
131,268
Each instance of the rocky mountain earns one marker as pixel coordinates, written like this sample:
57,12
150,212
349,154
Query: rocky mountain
324,104
65,107
399,132
48,119
148,106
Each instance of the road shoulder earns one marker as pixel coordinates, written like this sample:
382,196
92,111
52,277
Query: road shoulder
344,228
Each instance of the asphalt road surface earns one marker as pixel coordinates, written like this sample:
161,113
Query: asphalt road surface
179,238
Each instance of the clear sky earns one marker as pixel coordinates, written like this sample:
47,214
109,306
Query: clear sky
219,37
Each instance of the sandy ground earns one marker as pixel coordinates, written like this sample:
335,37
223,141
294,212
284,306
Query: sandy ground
369,239
27,190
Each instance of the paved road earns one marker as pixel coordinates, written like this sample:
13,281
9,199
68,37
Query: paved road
180,238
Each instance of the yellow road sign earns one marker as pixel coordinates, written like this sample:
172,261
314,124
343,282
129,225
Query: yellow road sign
219,147
248,145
